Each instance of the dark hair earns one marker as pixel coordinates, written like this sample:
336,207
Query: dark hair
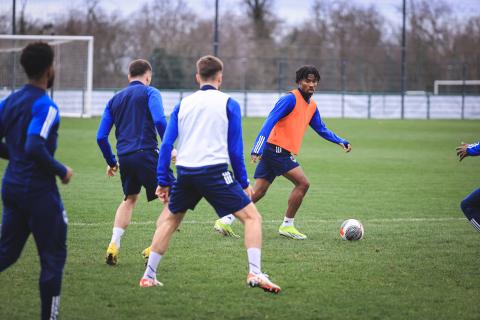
304,71
139,67
36,58
208,67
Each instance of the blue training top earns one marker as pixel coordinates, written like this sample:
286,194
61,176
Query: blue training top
29,122
234,142
474,149
136,111
282,108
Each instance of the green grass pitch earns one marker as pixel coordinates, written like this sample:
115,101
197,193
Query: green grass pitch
419,258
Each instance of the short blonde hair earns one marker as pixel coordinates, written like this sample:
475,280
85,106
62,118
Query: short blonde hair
209,66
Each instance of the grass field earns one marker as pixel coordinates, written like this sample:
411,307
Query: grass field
419,259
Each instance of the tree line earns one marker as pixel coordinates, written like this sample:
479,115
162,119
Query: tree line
355,47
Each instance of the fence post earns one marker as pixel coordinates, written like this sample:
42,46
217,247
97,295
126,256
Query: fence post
464,74
245,101
369,106
428,106
343,78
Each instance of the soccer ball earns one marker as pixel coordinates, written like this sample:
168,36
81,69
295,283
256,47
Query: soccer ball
351,229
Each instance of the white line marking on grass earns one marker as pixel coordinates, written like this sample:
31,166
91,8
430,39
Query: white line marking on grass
141,223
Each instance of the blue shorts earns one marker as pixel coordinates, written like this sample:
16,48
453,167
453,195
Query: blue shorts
215,183
275,162
139,169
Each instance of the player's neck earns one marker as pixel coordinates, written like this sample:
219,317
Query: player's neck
142,80
40,83
305,95
211,83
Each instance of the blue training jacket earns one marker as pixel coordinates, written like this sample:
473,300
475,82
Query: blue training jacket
29,122
135,111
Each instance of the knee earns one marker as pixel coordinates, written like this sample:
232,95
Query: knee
7,260
303,185
464,205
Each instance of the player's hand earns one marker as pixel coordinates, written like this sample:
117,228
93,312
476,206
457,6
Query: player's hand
249,191
163,194
111,171
174,156
68,176
256,157
347,147
462,151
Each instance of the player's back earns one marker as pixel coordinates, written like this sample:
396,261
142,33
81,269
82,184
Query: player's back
16,114
203,129
134,126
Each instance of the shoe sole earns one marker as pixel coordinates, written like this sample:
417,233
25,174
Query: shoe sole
254,284
291,236
111,260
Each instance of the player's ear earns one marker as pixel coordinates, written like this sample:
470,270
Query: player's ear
197,78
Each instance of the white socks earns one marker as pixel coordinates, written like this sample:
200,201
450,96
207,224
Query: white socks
117,234
287,222
153,261
254,258
228,219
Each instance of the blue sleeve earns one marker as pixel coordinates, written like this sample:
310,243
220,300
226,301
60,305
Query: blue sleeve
164,178
474,149
319,126
106,125
3,145
44,117
235,142
282,108
156,109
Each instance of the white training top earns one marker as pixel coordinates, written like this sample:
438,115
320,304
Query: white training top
203,129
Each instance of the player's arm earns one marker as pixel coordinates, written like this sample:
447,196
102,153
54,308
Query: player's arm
44,117
156,110
3,145
235,143
106,125
164,176
319,126
282,108
468,150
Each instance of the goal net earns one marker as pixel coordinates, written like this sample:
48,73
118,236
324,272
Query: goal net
73,63
467,86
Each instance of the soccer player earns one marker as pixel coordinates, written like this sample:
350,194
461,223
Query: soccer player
471,204
29,122
278,141
137,113
207,125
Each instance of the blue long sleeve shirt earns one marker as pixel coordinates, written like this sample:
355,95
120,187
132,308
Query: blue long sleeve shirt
29,122
234,141
281,109
474,149
137,113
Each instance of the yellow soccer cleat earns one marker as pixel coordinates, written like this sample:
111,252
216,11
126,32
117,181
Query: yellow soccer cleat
225,229
112,254
263,282
146,255
291,232
147,283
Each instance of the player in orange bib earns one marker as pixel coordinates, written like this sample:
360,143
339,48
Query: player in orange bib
278,141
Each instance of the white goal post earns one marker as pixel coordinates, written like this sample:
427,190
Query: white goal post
73,70
438,83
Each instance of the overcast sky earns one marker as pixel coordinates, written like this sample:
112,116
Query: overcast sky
291,11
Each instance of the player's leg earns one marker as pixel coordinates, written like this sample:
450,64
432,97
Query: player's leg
49,229
14,234
167,225
471,208
301,185
252,221
264,177
226,195
131,188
